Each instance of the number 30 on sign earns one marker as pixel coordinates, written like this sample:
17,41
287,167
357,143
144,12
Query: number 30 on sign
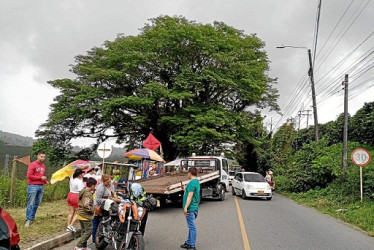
361,157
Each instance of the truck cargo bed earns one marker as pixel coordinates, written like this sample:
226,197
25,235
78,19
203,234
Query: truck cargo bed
171,182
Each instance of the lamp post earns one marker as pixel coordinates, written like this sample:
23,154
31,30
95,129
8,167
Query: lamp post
310,72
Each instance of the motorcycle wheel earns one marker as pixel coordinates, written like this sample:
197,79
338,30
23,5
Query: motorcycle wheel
136,243
100,243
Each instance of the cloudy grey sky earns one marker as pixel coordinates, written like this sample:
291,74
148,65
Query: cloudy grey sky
39,40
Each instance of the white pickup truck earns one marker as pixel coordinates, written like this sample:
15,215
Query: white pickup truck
212,175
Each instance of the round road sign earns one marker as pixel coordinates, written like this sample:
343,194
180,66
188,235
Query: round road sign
104,150
361,157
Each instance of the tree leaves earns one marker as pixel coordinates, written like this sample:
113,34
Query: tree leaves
187,83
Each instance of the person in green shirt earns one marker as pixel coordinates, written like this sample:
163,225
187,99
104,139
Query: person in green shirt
190,207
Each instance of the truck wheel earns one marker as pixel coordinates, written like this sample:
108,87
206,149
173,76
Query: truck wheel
243,194
222,193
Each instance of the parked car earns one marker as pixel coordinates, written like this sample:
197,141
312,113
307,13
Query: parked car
9,236
231,177
251,184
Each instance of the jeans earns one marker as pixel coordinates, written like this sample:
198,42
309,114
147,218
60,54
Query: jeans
95,224
191,217
34,197
86,226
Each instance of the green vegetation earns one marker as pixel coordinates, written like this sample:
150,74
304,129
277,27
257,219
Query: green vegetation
50,220
192,85
57,191
311,172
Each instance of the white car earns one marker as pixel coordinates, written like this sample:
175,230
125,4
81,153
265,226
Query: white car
251,184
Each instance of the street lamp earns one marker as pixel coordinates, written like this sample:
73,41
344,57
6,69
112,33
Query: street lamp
316,135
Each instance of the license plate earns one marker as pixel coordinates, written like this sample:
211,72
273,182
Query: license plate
260,192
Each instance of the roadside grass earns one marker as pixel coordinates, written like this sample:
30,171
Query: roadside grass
348,209
50,221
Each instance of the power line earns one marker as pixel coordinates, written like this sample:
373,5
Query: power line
316,31
345,32
336,25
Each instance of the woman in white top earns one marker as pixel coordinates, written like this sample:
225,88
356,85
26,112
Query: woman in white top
76,185
90,173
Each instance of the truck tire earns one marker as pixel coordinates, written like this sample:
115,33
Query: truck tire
222,193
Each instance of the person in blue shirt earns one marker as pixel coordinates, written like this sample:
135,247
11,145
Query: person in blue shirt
191,199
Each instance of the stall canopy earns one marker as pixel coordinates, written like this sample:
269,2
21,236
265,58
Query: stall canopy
143,153
176,162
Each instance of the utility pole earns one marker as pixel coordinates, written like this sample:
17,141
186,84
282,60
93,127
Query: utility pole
271,124
316,134
307,118
311,75
345,132
307,115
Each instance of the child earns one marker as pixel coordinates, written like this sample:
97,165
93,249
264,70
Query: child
85,212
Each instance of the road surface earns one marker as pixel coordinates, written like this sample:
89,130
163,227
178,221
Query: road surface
276,224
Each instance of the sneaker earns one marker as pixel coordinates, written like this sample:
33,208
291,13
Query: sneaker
191,248
28,223
71,228
185,245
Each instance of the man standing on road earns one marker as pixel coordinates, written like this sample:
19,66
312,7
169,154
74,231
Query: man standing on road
191,207
35,188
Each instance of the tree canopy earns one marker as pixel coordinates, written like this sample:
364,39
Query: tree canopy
192,85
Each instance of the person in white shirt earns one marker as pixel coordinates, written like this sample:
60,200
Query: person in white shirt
90,174
99,172
76,185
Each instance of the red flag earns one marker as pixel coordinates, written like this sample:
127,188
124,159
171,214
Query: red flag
25,160
151,142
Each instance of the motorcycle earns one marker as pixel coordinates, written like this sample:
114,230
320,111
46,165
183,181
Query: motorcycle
120,224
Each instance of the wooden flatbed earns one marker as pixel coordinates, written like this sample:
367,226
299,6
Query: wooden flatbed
170,183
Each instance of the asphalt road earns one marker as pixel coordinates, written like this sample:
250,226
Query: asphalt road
276,224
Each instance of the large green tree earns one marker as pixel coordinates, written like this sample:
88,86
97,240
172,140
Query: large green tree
192,85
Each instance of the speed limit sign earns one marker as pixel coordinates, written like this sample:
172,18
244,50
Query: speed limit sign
361,157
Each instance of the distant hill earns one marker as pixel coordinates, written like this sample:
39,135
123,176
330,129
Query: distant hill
16,140
24,143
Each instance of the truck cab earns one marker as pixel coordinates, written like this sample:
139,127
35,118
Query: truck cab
210,166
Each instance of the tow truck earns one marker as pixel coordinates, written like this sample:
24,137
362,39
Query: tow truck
212,175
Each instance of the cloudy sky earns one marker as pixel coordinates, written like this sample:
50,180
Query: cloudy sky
39,40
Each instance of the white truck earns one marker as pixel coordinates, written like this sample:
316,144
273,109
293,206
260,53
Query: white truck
212,175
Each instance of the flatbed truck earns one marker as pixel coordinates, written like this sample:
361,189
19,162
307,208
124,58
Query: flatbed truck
212,175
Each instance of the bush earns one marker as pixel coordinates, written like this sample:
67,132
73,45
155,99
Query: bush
57,191
317,166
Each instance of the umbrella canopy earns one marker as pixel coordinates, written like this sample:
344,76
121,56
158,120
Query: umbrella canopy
69,169
143,153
